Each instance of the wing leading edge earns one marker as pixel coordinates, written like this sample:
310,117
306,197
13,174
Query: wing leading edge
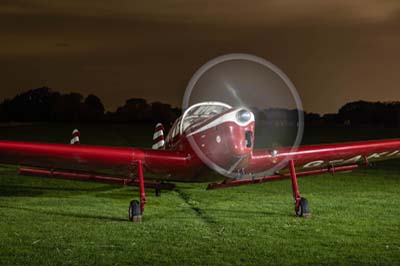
119,160
320,156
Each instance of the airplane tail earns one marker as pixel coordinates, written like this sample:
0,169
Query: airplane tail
75,137
158,138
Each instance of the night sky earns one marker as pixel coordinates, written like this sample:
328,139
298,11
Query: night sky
334,51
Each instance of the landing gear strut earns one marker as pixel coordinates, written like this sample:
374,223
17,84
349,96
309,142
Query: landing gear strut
136,208
300,204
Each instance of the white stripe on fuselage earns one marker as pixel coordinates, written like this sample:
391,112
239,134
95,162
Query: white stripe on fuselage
229,117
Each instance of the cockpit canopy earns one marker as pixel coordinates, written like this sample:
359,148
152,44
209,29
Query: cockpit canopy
195,114
200,112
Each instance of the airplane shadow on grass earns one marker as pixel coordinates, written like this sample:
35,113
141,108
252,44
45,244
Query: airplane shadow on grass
207,216
237,213
67,214
217,216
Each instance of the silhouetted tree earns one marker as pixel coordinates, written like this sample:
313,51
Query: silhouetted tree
92,109
163,113
134,110
370,113
44,104
312,119
94,103
3,114
67,107
331,119
33,105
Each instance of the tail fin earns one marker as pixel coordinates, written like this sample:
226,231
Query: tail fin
75,137
158,138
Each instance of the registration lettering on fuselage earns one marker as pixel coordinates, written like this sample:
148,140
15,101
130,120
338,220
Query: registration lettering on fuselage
354,159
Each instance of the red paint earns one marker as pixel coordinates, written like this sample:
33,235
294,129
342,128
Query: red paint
91,158
93,177
295,186
224,145
327,153
73,176
247,181
141,186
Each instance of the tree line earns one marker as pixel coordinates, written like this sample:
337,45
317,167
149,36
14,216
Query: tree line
360,113
46,105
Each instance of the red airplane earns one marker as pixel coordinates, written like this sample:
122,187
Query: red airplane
206,132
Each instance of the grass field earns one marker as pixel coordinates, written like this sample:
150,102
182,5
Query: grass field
355,216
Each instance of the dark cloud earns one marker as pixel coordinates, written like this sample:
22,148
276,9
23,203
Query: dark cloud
334,51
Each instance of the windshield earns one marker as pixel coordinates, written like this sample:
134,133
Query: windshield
202,111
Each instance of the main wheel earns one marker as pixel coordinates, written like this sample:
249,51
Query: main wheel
303,209
134,212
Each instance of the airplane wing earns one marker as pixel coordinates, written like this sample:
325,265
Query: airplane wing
328,155
314,159
89,158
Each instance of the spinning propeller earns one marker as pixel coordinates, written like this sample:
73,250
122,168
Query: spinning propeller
258,90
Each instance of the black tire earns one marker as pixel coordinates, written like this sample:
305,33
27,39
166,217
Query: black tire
134,210
303,209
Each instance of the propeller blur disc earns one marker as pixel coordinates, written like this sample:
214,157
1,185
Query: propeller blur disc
251,83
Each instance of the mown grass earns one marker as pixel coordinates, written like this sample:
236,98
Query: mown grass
355,217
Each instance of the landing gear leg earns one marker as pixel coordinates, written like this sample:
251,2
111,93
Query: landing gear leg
136,208
301,204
